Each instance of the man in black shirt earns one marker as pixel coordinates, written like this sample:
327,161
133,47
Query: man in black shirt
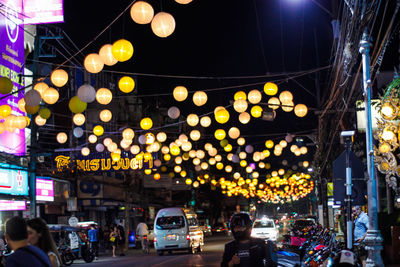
121,241
246,251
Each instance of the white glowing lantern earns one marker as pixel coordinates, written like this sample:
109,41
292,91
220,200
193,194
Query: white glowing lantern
142,12
59,77
200,154
300,110
183,2
165,150
107,141
79,119
241,141
244,117
163,24
93,63
92,138
135,149
208,146
242,155
128,134
212,161
112,147
195,135
200,98
283,143
50,96
287,107
192,120
178,160
218,158
303,150
180,93
254,96
86,93
62,137
205,121
196,161
228,168
85,151
240,105
192,153
41,88
213,152
236,175
204,165
105,115
274,103
103,96
285,97
183,138
234,133
105,53
186,146
125,143
161,137
40,121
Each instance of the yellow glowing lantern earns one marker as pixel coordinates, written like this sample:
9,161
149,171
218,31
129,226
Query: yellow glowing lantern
59,77
76,105
40,121
157,176
200,98
192,120
142,12
122,50
188,181
228,148
175,150
79,119
243,163
105,115
244,117
183,173
222,116
234,133
180,93
241,141
256,111
287,107
98,130
254,97
240,95
5,110
167,157
300,110
163,24
85,151
261,165
240,105
266,153
146,123
281,172
219,166
115,156
285,97
306,164
93,63
274,103
103,96
220,134
105,53
270,88
195,135
126,84
205,121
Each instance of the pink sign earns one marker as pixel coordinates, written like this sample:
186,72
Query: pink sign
12,205
44,189
43,11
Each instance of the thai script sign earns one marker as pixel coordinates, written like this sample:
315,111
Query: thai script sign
44,189
6,205
13,181
43,11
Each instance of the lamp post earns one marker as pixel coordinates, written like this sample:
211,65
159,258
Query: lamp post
373,240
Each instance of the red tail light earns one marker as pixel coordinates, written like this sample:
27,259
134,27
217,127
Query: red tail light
223,229
155,239
144,237
206,227
187,237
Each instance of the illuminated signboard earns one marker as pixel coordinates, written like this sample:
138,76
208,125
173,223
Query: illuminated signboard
104,164
6,205
11,65
43,11
13,181
44,189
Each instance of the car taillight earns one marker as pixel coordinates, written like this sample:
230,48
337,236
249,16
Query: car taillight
144,237
187,237
223,229
155,239
206,227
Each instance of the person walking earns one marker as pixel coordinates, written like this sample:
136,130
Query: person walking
246,251
93,235
39,236
113,239
143,231
121,239
24,254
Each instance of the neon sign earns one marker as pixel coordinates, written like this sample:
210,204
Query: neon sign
13,181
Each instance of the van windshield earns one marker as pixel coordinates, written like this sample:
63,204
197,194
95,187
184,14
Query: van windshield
170,222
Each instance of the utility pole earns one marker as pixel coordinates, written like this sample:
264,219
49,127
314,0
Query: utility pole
373,240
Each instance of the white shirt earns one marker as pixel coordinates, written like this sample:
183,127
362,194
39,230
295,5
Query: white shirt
142,229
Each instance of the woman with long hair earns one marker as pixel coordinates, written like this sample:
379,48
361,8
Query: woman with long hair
113,239
39,236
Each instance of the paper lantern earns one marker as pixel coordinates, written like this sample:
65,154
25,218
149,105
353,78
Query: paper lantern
254,97
289,138
93,63
200,98
192,120
92,139
186,146
174,113
85,151
142,12
274,103
278,147
270,88
32,110
205,121
183,138
163,24
86,93
135,149
79,119
240,105
105,53
5,110
45,113
303,150
20,122
2,128
122,50
146,123
288,107
76,105
40,121
228,148
293,148
112,147
222,116
105,115
219,134
241,141
41,88
62,137
107,141
283,143
300,110
6,85
128,134
200,154
125,143
78,132
126,84
234,132
161,137
32,98
195,135
223,143
306,164
59,77
240,95
183,2
244,117
285,97
249,149
103,96
175,150
256,111
98,130
99,148
180,93
50,96
21,105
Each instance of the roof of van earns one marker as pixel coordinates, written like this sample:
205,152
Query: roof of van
170,211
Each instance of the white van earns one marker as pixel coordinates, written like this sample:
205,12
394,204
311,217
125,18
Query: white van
177,229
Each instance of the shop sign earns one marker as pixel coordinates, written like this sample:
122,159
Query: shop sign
43,11
6,205
44,189
12,66
13,181
103,163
